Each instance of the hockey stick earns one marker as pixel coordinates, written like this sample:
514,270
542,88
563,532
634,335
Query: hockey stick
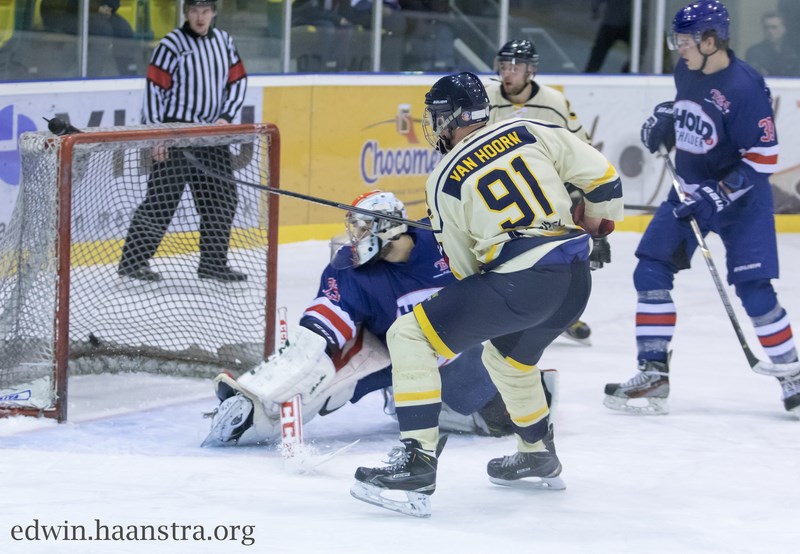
316,200
759,366
641,207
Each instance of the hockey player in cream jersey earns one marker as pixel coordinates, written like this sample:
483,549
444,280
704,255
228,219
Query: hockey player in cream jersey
517,94
502,215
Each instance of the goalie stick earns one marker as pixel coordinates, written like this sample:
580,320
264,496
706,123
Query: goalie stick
759,366
316,200
641,207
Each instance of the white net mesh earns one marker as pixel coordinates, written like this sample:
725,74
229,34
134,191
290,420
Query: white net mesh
194,231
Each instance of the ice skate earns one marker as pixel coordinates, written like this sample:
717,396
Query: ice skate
644,394
405,485
536,470
791,394
579,332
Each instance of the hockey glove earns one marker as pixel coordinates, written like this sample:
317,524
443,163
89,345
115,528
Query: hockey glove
594,226
659,128
601,253
704,203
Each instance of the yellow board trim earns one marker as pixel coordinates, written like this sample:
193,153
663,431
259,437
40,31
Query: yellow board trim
784,223
109,251
298,233
431,334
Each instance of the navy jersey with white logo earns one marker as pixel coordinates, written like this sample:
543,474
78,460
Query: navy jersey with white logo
375,294
724,124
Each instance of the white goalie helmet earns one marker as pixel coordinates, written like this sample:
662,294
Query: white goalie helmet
369,235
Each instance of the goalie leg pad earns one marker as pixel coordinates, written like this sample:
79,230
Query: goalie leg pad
369,355
302,368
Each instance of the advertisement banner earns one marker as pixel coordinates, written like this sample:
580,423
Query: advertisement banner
343,135
338,142
342,140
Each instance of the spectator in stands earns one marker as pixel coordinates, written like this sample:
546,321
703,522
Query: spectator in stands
61,16
616,26
359,12
326,45
429,39
790,11
774,56
318,13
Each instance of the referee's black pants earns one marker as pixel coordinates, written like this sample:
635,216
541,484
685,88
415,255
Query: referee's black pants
214,199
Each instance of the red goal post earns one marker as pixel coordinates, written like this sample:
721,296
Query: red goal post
64,308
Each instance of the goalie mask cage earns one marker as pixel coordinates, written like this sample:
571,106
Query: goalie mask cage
64,309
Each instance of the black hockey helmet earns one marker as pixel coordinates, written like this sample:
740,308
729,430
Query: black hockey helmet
458,100
517,51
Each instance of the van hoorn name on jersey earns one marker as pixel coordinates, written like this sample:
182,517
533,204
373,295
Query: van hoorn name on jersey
487,151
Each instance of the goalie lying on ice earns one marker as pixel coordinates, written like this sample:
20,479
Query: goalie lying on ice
338,352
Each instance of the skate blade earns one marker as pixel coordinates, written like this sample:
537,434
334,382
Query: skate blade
415,505
541,483
640,406
795,412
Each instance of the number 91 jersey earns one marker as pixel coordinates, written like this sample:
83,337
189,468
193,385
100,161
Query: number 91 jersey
506,182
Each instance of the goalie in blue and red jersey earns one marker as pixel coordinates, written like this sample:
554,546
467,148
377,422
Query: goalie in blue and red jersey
338,352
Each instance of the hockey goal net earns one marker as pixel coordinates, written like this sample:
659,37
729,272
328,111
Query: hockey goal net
65,308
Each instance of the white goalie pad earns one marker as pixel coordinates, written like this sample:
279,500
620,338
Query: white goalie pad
301,368
365,356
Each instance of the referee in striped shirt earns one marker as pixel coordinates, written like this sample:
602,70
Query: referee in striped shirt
195,76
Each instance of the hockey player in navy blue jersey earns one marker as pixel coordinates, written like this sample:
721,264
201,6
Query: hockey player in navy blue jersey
722,126
338,354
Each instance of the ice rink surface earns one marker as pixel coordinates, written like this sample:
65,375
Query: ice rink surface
720,473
